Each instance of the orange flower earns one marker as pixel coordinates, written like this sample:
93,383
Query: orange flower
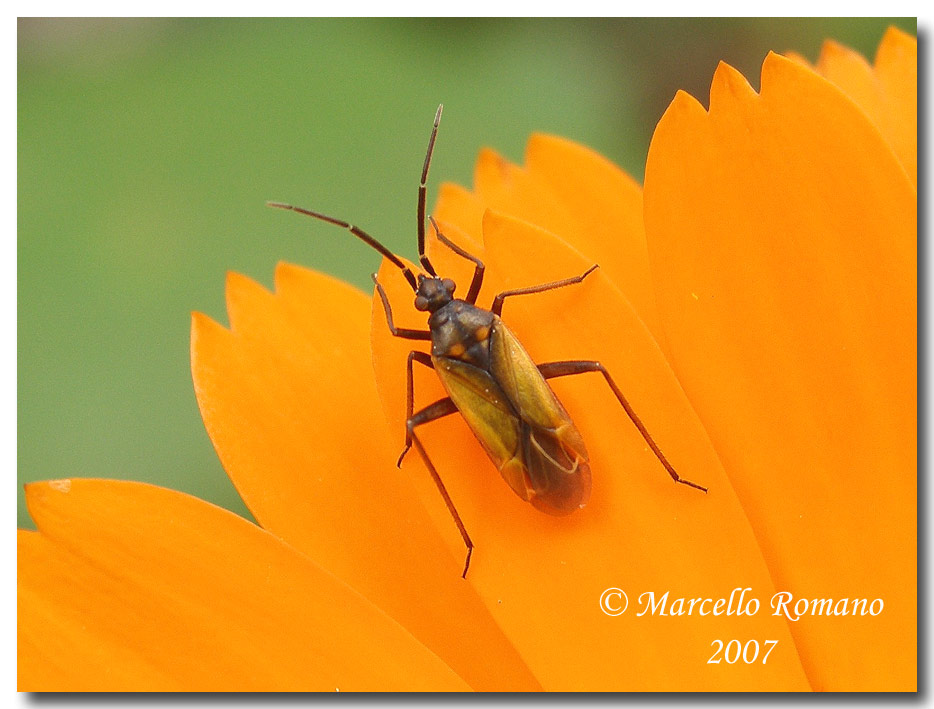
757,306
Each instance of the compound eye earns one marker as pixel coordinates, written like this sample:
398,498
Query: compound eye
421,302
449,285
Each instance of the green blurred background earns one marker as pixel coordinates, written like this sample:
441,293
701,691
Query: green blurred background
146,149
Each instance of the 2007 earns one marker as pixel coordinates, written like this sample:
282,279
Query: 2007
734,650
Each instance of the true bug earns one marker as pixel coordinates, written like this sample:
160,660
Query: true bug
491,380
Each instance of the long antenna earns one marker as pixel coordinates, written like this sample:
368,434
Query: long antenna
356,231
426,264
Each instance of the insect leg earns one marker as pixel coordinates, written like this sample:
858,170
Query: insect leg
398,331
426,264
497,307
431,413
551,370
477,280
421,358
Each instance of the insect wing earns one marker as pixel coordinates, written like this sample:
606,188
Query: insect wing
488,413
557,472
552,451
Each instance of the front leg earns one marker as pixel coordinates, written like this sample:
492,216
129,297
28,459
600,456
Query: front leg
477,281
398,331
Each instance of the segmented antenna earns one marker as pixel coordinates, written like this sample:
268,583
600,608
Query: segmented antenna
356,231
426,264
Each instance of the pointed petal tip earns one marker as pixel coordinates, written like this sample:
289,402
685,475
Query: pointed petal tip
452,192
896,45
777,66
728,82
539,143
201,325
540,135
546,141
896,35
199,319
682,103
283,272
833,53
833,46
772,63
490,160
234,280
798,58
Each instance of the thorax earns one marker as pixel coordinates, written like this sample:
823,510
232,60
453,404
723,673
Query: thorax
462,331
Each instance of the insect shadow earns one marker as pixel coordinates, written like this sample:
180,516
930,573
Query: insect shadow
491,381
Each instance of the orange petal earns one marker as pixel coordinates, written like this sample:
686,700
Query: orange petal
606,205
130,587
289,401
796,57
782,235
516,191
897,70
887,92
461,208
541,576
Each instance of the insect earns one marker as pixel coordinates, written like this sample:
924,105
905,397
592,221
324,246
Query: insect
491,380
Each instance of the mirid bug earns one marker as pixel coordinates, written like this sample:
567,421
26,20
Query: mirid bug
491,380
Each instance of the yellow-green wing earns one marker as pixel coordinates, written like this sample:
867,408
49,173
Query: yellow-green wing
489,415
552,450
522,383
